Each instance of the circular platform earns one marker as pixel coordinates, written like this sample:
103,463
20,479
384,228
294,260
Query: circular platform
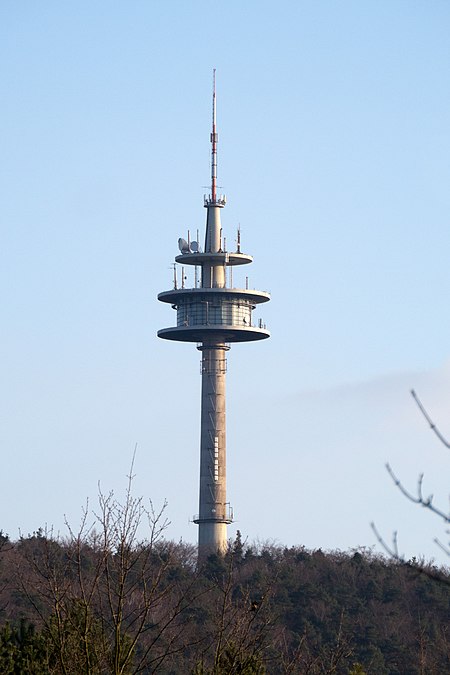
180,294
228,259
219,333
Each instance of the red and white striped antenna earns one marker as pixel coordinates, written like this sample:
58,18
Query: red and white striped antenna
214,139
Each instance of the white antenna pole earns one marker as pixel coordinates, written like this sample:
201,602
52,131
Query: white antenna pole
214,140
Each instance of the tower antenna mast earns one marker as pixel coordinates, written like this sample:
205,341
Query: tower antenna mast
213,315
214,140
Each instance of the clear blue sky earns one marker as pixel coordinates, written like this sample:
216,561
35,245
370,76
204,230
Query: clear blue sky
334,154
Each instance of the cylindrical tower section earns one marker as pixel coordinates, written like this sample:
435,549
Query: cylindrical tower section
214,512
213,276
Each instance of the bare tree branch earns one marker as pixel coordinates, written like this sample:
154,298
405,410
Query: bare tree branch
392,551
429,420
426,502
442,546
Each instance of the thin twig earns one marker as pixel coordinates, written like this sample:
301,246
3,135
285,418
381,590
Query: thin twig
392,552
429,420
426,502
395,555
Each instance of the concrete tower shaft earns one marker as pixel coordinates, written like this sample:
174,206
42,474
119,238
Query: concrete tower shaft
214,512
213,274
213,314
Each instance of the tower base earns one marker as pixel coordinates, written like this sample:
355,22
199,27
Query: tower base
212,538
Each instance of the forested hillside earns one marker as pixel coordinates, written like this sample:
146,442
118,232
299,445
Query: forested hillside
102,602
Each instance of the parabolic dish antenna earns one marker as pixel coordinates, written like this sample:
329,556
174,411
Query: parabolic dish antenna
194,246
183,245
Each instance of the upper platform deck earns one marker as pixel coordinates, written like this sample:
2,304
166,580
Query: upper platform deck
221,258
176,295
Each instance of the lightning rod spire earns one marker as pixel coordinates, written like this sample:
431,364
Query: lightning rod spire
214,139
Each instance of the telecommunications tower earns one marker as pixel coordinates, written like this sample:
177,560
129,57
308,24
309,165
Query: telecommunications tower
213,313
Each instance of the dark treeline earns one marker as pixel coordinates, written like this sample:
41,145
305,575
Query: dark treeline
101,602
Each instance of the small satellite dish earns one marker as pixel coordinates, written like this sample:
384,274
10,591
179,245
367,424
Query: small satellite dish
194,246
183,245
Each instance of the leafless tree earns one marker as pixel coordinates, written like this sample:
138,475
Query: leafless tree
106,598
239,631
